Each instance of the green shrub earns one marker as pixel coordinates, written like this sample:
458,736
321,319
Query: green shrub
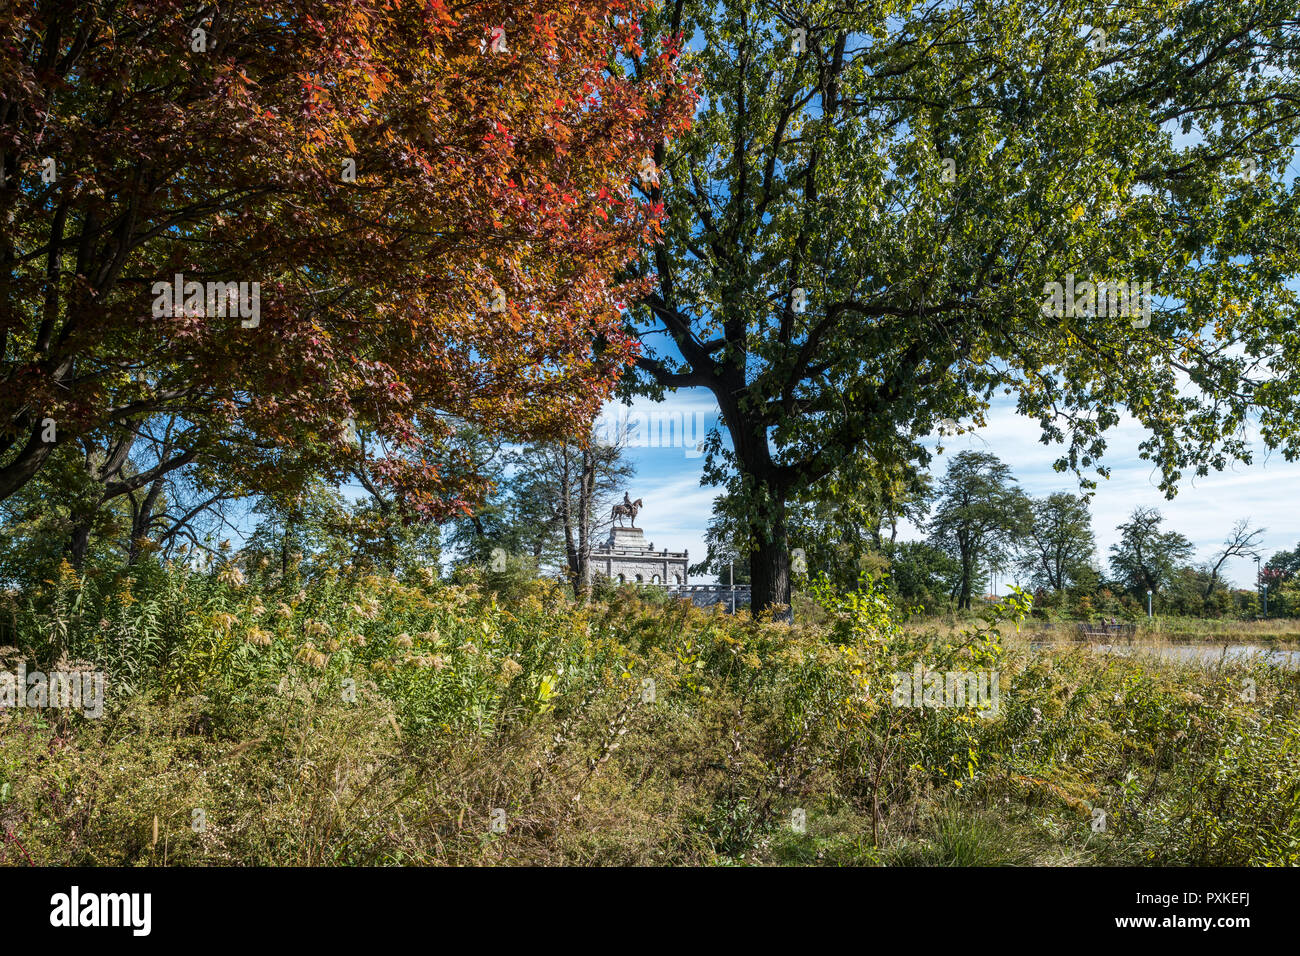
331,719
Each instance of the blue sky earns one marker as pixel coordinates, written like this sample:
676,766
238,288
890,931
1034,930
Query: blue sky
678,508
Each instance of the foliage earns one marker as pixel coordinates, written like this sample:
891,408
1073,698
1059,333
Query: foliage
923,576
436,228
1146,558
860,238
1058,546
978,517
331,720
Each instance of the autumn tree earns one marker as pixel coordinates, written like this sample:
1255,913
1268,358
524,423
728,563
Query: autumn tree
314,232
875,200
1283,565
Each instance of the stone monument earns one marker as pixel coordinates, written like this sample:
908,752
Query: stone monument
626,558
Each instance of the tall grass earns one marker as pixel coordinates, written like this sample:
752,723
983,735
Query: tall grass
341,720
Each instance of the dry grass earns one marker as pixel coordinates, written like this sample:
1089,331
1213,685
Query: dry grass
1282,633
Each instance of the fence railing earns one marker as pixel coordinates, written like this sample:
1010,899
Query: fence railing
1103,631
707,588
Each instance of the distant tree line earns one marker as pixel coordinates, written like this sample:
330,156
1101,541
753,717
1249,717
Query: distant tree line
978,523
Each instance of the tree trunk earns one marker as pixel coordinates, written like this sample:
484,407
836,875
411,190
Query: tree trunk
769,558
967,576
572,546
769,570
586,501
79,540
142,520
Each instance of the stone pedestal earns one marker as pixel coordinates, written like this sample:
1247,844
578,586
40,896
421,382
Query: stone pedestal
626,538
627,558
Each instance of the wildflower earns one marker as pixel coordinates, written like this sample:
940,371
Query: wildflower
311,656
510,668
403,640
312,628
259,637
231,575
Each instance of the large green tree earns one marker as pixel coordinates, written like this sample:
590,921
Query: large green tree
979,517
864,221
839,526
1058,542
1146,558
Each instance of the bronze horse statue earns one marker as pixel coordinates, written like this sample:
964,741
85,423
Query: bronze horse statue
627,510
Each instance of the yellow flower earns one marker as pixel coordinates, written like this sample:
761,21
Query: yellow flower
231,575
312,628
312,657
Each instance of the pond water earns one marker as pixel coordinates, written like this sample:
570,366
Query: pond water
1199,653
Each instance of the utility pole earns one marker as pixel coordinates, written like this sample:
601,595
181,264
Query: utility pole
1261,587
